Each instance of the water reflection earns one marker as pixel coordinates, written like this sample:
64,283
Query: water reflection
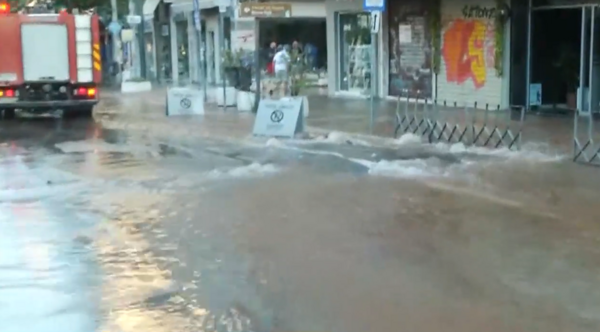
47,280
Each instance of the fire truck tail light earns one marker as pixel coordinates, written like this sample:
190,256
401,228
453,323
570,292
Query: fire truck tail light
7,93
85,92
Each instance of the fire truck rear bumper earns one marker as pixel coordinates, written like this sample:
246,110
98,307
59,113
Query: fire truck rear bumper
46,105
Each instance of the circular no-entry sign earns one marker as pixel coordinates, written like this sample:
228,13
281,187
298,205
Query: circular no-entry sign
276,116
185,103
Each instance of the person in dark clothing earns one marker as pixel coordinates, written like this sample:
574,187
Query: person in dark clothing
311,55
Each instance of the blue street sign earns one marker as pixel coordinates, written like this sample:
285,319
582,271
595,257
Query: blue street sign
197,15
374,5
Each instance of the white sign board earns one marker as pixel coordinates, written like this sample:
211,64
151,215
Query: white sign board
279,118
372,5
134,19
243,39
535,94
405,33
184,101
375,21
127,35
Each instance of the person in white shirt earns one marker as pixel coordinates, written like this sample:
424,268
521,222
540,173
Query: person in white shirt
281,62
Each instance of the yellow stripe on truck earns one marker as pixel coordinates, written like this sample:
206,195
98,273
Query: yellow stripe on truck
96,47
96,55
97,66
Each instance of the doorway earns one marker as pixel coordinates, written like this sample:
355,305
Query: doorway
562,67
310,33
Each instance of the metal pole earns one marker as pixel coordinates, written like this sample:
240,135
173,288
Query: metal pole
257,64
222,47
115,39
372,80
201,71
528,64
581,62
198,29
591,71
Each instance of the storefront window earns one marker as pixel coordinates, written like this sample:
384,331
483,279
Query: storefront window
182,50
355,52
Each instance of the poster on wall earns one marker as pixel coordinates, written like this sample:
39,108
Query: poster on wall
243,39
405,33
410,52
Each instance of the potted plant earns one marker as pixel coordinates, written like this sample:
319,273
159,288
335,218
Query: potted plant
298,79
237,66
231,65
567,65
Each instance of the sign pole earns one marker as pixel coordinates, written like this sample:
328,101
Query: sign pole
198,26
373,81
222,46
376,8
223,5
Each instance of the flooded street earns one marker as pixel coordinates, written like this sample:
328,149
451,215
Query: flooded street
135,222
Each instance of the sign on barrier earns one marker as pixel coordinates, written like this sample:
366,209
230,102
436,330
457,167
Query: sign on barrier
279,117
184,101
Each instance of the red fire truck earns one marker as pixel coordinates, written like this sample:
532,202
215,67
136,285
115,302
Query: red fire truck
49,61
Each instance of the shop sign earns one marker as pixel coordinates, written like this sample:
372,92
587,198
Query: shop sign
184,101
265,9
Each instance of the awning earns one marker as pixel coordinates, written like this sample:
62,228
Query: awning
150,6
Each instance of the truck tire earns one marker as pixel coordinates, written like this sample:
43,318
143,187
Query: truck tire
84,112
8,114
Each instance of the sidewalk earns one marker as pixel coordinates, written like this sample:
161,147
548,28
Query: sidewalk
330,114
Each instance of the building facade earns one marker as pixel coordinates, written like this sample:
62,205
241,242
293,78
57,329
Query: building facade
446,50
441,50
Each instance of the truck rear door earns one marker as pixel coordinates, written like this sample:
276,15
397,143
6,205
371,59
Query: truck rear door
10,55
45,52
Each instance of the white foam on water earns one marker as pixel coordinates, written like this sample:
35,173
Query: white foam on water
247,171
402,168
274,142
528,152
408,138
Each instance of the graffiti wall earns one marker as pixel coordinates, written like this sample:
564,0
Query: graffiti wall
467,72
410,73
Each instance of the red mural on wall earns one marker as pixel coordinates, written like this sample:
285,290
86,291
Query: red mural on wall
465,53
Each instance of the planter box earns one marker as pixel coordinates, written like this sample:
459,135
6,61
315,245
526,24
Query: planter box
230,96
211,95
131,87
245,101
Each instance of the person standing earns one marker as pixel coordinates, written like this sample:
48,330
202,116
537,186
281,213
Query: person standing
281,64
270,55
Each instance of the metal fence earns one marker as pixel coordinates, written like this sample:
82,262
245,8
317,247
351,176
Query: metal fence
585,149
450,122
